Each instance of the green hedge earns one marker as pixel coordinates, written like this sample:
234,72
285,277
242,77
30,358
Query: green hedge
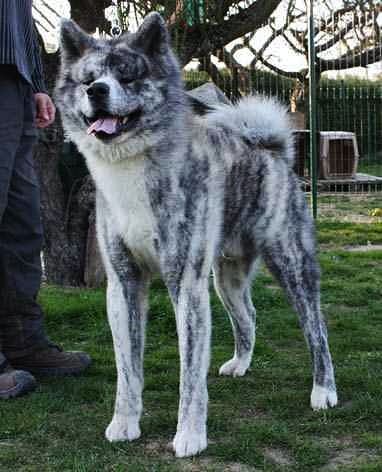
343,105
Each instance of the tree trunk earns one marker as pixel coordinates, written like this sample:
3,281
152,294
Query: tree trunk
65,217
65,220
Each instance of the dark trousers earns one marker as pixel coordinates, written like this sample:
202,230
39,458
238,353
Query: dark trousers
21,236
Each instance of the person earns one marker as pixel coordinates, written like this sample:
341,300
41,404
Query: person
24,105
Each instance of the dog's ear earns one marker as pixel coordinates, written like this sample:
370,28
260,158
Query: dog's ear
152,36
73,41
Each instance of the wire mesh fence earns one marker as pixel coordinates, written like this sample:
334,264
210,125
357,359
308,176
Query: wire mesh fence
273,60
248,46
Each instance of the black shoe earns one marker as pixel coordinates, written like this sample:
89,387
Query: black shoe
52,360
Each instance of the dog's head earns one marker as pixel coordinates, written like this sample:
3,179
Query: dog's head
118,89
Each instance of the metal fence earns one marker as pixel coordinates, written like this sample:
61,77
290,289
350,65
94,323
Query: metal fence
345,75
347,72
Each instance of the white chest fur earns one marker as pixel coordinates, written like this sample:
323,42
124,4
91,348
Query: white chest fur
123,186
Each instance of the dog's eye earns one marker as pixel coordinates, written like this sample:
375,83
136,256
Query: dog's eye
126,80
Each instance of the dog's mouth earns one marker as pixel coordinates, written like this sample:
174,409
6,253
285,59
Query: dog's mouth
106,127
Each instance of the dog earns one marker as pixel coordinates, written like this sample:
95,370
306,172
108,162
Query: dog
182,194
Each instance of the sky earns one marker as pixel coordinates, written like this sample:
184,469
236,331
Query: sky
279,54
48,23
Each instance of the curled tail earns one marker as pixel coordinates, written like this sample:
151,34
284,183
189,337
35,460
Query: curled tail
262,122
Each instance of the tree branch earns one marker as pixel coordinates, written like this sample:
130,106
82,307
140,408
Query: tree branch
216,36
44,17
300,75
52,10
341,34
293,46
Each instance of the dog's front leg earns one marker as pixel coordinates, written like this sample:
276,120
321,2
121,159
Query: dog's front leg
126,307
194,327
127,294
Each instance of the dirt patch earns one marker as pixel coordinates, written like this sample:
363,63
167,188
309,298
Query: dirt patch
278,457
8,444
364,248
349,208
349,457
348,404
345,453
358,248
194,465
337,308
349,218
237,467
160,448
157,446
203,465
164,449
253,413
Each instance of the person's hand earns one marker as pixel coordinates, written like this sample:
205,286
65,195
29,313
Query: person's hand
45,110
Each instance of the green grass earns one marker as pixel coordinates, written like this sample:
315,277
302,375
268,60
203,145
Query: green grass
260,422
371,164
353,208
371,168
335,234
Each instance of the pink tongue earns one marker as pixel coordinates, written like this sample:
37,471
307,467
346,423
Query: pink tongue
107,125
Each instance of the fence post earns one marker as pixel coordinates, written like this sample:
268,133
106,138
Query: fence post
312,108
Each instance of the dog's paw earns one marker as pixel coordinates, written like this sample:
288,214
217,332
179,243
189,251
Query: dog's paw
321,398
235,367
122,430
188,443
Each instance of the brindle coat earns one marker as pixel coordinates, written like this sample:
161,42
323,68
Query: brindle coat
181,195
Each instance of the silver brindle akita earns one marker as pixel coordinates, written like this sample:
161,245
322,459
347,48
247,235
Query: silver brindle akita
181,193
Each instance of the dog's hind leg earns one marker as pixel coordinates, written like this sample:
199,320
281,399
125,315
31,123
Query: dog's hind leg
291,258
127,308
233,279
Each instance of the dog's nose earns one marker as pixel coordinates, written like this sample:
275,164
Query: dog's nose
98,90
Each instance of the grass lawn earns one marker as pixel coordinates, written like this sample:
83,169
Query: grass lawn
261,422
371,167
350,207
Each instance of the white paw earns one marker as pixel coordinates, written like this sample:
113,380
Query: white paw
123,430
321,398
189,443
234,367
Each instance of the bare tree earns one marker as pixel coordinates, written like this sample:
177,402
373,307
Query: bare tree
199,27
345,36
